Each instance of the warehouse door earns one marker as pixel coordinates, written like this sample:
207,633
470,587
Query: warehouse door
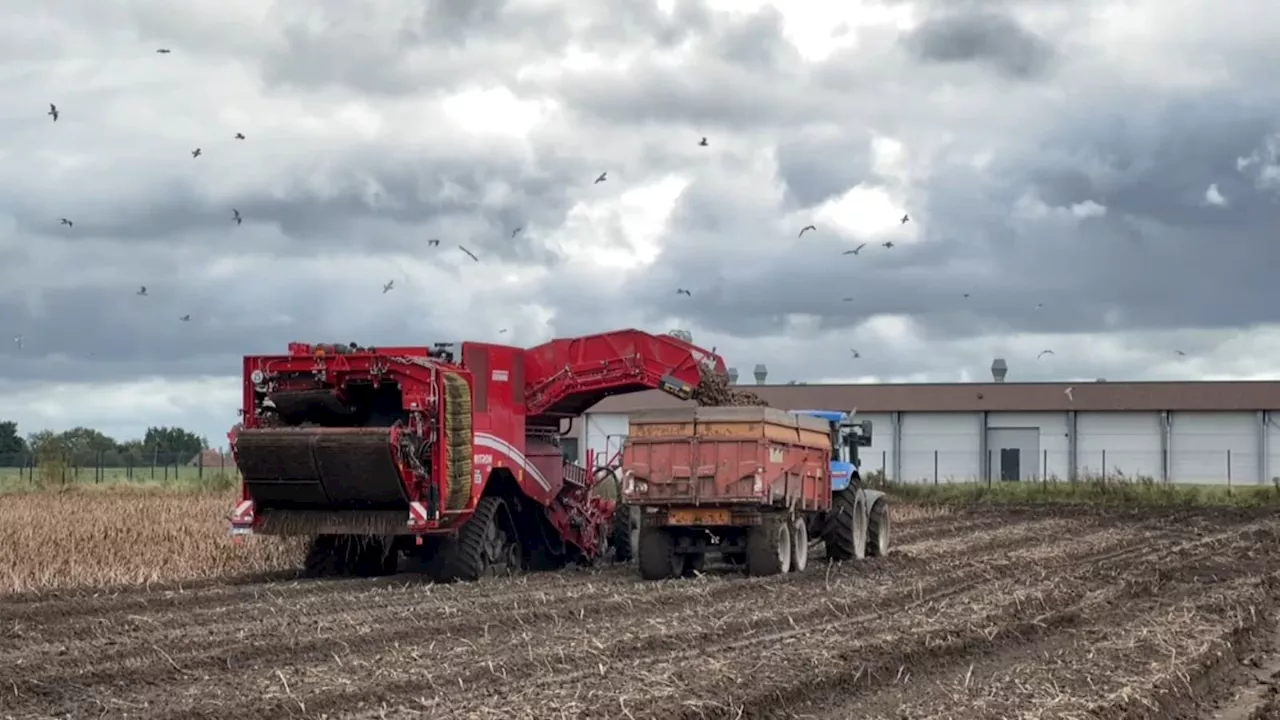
1010,464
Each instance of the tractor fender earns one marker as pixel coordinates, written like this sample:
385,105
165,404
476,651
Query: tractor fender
871,497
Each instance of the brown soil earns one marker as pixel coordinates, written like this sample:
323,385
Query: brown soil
982,614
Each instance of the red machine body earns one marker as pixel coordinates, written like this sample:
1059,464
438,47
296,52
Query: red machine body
408,441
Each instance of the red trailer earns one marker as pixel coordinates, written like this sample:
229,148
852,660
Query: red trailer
754,484
448,452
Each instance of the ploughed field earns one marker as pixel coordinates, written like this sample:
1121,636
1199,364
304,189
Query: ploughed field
983,613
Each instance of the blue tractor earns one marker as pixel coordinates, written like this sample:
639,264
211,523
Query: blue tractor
851,503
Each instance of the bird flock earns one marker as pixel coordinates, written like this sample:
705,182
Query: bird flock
387,287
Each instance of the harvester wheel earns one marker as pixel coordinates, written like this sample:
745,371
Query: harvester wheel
846,529
878,529
484,546
657,554
799,544
620,534
326,556
769,548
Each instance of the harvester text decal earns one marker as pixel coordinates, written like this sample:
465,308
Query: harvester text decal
483,459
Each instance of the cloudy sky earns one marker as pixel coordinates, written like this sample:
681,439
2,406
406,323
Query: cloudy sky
1098,177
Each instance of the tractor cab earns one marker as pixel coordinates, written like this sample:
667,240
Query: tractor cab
846,437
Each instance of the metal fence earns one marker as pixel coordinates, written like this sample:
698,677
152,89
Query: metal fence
1191,467
104,467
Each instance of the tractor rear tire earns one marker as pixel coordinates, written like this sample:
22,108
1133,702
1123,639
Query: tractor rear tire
846,528
620,534
657,554
484,546
769,548
878,529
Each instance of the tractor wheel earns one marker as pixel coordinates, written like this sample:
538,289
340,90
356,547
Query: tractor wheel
620,534
485,546
326,556
657,554
846,528
799,544
878,529
769,548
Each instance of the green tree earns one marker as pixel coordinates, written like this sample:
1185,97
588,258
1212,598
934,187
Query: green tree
86,446
172,445
12,445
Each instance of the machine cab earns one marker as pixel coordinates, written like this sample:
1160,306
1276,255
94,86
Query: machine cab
846,437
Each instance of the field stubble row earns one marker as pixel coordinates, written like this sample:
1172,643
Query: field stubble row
977,613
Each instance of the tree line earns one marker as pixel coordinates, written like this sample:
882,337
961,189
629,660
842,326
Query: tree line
86,446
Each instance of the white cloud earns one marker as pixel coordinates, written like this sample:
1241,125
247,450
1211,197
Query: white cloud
1214,197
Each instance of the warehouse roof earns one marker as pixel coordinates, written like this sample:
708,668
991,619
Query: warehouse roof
1008,396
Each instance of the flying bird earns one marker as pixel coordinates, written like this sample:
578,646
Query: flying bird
433,242
848,300
1180,353
1067,392
703,143
855,353
239,136
855,250
235,215
806,229
503,330
185,318
887,244
66,222
1045,352
516,231
1039,305
163,51
388,287
682,291
602,177
905,218
142,290
195,153
469,253
966,294
53,112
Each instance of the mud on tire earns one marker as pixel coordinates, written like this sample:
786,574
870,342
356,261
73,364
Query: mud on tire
845,534
878,529
656,554
769,547
483,546
620,534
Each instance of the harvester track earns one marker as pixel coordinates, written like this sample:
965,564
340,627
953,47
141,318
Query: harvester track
981,614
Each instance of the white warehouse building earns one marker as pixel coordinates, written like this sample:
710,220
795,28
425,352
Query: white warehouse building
1179,432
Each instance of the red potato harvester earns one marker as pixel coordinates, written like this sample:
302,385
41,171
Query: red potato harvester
449,453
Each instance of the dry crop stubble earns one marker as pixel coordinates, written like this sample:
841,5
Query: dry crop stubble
1014,595
120,536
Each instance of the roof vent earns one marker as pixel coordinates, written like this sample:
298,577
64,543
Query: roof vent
999,368
733,375
761,372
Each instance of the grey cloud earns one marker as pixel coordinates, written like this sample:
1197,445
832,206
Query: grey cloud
988,37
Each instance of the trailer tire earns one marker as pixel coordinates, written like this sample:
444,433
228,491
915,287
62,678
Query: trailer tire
657,554
485,546
846,527
620,534
323,557
878,529
769,548
799,544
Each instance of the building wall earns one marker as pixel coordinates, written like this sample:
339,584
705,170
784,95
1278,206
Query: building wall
1053,446
1214,447
949,446
941,447
603,436
1128,442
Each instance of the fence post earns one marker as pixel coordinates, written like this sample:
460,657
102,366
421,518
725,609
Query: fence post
1104,466
884,465
1228,471
935,467
990,456
1044,468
